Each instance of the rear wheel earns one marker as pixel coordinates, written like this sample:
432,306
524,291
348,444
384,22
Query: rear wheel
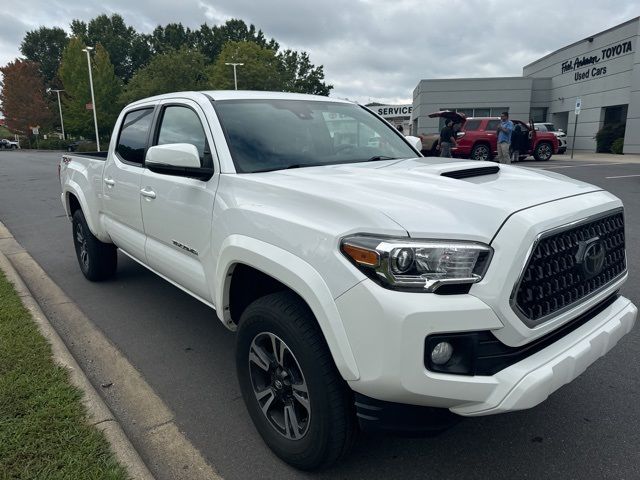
481,152
297,400
543,152
97,260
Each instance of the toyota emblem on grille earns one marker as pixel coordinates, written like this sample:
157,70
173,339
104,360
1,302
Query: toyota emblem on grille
590,256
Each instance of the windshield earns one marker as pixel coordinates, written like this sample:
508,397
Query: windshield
550,127
266,135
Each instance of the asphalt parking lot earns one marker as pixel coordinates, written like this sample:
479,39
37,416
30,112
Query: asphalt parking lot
588,429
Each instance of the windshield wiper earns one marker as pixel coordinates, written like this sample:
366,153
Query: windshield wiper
287,167
380,157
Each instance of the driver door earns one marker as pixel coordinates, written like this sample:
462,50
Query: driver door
177,210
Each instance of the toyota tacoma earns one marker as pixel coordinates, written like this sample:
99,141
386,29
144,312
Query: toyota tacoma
370,288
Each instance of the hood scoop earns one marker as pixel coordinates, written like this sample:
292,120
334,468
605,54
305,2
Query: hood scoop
471,172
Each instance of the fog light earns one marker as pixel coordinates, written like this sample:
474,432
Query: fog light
441,353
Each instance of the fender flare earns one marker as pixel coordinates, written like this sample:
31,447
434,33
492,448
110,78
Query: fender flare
300,277
73,188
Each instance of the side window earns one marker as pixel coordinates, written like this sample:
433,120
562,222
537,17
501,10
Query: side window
492,125
182,125
472,125
132,140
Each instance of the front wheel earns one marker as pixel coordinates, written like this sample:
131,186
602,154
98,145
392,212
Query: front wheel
297,400
543,152
97,260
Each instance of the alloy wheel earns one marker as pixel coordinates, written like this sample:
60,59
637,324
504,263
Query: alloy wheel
544,151
279,386
81,241
481,153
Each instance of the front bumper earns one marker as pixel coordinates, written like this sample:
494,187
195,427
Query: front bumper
387,330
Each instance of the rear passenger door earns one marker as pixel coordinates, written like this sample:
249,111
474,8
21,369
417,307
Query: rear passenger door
121,182
177,210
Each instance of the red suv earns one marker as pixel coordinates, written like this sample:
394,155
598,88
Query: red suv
477,138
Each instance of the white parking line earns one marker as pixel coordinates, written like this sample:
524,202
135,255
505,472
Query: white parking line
624,176
586,165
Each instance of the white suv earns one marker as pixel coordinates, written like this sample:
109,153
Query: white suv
562,136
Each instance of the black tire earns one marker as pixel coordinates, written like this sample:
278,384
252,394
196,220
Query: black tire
97,260
481,151
543,152
329,427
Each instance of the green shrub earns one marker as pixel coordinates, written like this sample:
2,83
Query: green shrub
606,136
52,144
617,146
87,147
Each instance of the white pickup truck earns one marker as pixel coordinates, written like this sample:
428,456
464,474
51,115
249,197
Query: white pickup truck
370,288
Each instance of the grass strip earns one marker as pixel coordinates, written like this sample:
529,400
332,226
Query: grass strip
44,432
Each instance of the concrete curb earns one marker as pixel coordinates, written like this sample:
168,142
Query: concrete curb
99,414
150,424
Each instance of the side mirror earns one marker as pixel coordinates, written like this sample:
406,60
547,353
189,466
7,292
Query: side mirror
173,154
415,142
179,159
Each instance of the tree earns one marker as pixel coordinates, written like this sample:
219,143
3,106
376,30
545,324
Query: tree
75,79
173,36
44,46
22,96
126,48
300,75
211,40
174,71
261,69
107,90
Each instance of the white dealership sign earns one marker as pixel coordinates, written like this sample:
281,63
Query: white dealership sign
393,111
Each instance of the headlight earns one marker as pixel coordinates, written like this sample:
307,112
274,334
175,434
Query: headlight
422,265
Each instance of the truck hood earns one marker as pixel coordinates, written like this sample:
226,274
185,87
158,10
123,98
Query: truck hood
416,195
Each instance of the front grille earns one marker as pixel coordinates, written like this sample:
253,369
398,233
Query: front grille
566,267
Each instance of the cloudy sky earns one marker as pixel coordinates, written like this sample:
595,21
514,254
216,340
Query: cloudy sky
371,49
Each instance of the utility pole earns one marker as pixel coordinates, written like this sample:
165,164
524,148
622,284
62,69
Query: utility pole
93,100
59,109
235,78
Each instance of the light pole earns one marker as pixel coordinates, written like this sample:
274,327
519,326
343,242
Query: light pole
93,100
235,78
59,108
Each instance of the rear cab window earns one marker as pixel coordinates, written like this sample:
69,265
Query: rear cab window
134,135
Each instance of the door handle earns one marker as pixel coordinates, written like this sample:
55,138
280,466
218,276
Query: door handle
148,193
109,181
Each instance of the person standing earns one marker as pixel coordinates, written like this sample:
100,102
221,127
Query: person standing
447,139
517,142
505,129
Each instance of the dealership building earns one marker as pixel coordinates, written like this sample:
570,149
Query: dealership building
602,72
